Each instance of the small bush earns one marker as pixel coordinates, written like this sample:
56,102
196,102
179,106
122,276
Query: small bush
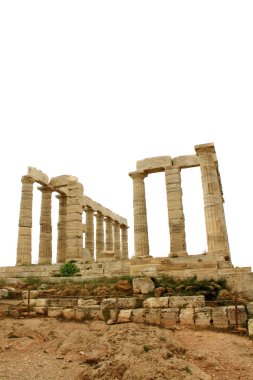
69,269
32,281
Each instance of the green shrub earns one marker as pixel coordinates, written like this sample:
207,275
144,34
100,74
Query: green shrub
69,269
32,281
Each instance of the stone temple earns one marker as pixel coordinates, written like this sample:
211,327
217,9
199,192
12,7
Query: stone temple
100,245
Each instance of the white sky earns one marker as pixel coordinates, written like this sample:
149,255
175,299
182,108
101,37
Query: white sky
89,87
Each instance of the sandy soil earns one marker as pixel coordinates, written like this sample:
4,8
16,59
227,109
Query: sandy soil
56,350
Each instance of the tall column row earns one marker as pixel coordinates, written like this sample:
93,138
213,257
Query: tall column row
109,235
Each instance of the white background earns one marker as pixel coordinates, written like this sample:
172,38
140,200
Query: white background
89,87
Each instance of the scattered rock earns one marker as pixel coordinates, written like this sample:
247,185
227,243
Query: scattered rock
225,295
124,286
143,285
159,291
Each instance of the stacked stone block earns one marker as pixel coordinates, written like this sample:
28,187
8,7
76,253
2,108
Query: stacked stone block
45,245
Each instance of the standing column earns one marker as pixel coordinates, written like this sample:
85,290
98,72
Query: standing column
61,240
45,246
140,215
89,236
175,212
24,248
216,230
74,225
116,239
99,233
124,242
108,234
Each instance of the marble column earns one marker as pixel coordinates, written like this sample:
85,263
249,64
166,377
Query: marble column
99,233
24,247
74,224
124,242
141,242
175,212
116,240
217,238
108,234
45,245
89,236
61,240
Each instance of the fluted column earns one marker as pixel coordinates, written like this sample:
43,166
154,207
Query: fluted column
216,230
24,248
124,242
108,234
45,245
175,212
74,225
116,239
61,240
89,236
99,233
141,242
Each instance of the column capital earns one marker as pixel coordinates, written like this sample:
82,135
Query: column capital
123,226
88,209
45,189
108,219
27,179
98,214
138,174
204,149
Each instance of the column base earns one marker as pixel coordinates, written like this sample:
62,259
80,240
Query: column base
178,254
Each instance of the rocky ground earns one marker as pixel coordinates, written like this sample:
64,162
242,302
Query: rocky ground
55,350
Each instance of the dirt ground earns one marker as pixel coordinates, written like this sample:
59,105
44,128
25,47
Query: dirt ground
57,350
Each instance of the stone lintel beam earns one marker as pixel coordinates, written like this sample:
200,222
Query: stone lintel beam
62,180
37,175
186,161
153,164
88,202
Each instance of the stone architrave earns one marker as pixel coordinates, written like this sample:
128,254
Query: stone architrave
99,234
74,225
89,236
62,232
175,212
45,245
124,242
217,238
116,240
24,248
108,234
141,242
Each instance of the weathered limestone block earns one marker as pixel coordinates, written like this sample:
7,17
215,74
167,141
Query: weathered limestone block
40,310
250,308
154,303
110,303
154,164
42,302
124,316
153,317
186,301
4,293
203,316
143,285
186,161
219,317
95,313
127,303
62,302
69,314
250,327
54,312
33,294
241,312
169,317
139,315
37,175
62,180
186,316
31,303
88,302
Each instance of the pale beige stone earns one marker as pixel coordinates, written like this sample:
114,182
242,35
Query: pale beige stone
69,314
37,175
169,317
139,315
62,180
42,302
45,244
186,161
153,317
143,285
187,316
186,301
124,242
154,164
124,316
157,302
33,294
40,310
250,328
54,312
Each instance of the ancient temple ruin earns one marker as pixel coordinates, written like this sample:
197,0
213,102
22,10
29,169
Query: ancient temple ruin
216,230
72,204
